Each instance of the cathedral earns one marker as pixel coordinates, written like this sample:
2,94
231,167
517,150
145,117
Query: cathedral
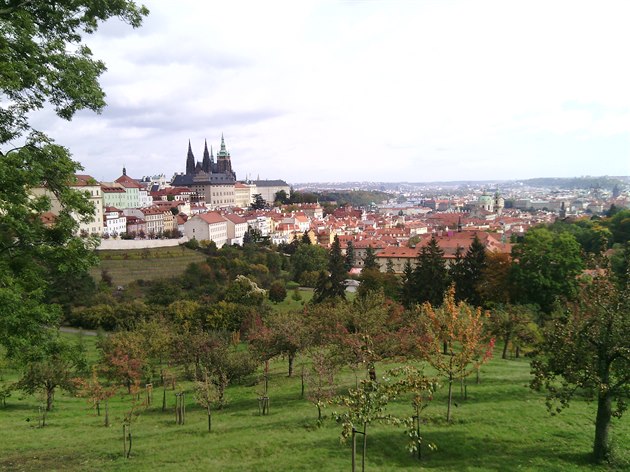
213,179
208,166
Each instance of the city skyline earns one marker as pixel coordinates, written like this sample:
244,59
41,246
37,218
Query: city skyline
362,91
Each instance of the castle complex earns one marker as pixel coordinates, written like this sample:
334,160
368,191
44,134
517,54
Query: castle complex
213,179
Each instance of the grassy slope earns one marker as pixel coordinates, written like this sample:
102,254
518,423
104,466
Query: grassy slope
502,426
145,264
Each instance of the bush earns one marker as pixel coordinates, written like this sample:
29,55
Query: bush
277,292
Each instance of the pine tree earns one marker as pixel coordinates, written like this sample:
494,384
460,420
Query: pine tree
408,290
474,263
332,286
369,261
430,275
349,261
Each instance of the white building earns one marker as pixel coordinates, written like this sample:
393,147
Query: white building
209,226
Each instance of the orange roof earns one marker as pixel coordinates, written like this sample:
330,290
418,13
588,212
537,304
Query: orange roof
212,217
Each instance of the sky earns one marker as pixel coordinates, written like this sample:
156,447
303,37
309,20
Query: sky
388,91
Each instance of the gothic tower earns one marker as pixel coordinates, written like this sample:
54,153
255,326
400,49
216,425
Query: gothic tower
190,161
205,166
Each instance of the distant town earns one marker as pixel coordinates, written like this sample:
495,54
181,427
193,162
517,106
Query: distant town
207,202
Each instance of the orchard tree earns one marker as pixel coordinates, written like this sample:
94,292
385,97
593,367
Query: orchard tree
282,334
587,351
320,381
43,64
460,327
57,367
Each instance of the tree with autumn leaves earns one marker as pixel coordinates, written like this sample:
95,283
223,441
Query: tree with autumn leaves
460,327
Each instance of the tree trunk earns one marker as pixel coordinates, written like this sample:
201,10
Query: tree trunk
291,359
354,449
450,399
98,408
601,447
445,348
209,419
506,343
50,396
364,447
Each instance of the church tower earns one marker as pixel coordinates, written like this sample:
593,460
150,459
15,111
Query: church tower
205,166
224,164
190,161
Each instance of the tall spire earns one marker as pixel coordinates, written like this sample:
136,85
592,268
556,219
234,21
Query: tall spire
222,143
205,166
190,161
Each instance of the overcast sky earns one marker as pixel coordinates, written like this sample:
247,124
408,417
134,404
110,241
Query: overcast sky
311,91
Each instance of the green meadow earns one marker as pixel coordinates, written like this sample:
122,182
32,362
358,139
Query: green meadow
501,426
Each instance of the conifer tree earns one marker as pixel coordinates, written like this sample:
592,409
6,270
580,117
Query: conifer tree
430,275
332,286
369,261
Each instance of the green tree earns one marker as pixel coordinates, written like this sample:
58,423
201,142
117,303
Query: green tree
547,267
281,198
474,263
369,261
259,202
277,292
43,62
349,259
333,286
55,368
430,275
587,351
308,258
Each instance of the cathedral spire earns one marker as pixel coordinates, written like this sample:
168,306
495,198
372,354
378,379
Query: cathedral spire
222,143
205,166
190,160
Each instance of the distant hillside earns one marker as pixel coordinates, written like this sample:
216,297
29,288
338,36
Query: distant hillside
605,182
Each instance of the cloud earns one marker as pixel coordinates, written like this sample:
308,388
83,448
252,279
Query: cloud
336,91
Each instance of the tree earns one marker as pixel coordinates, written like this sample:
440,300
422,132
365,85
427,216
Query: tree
206,395
587,351
473,265
547,267
259,202
282,334
349,259
320,381
430,275
277,292
56,368
43,62
281,198
308,258
332,286
369,261
461,328
513,324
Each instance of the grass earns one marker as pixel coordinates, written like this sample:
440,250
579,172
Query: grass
501,426
145,264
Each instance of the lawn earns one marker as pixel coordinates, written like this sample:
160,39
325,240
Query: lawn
501,426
